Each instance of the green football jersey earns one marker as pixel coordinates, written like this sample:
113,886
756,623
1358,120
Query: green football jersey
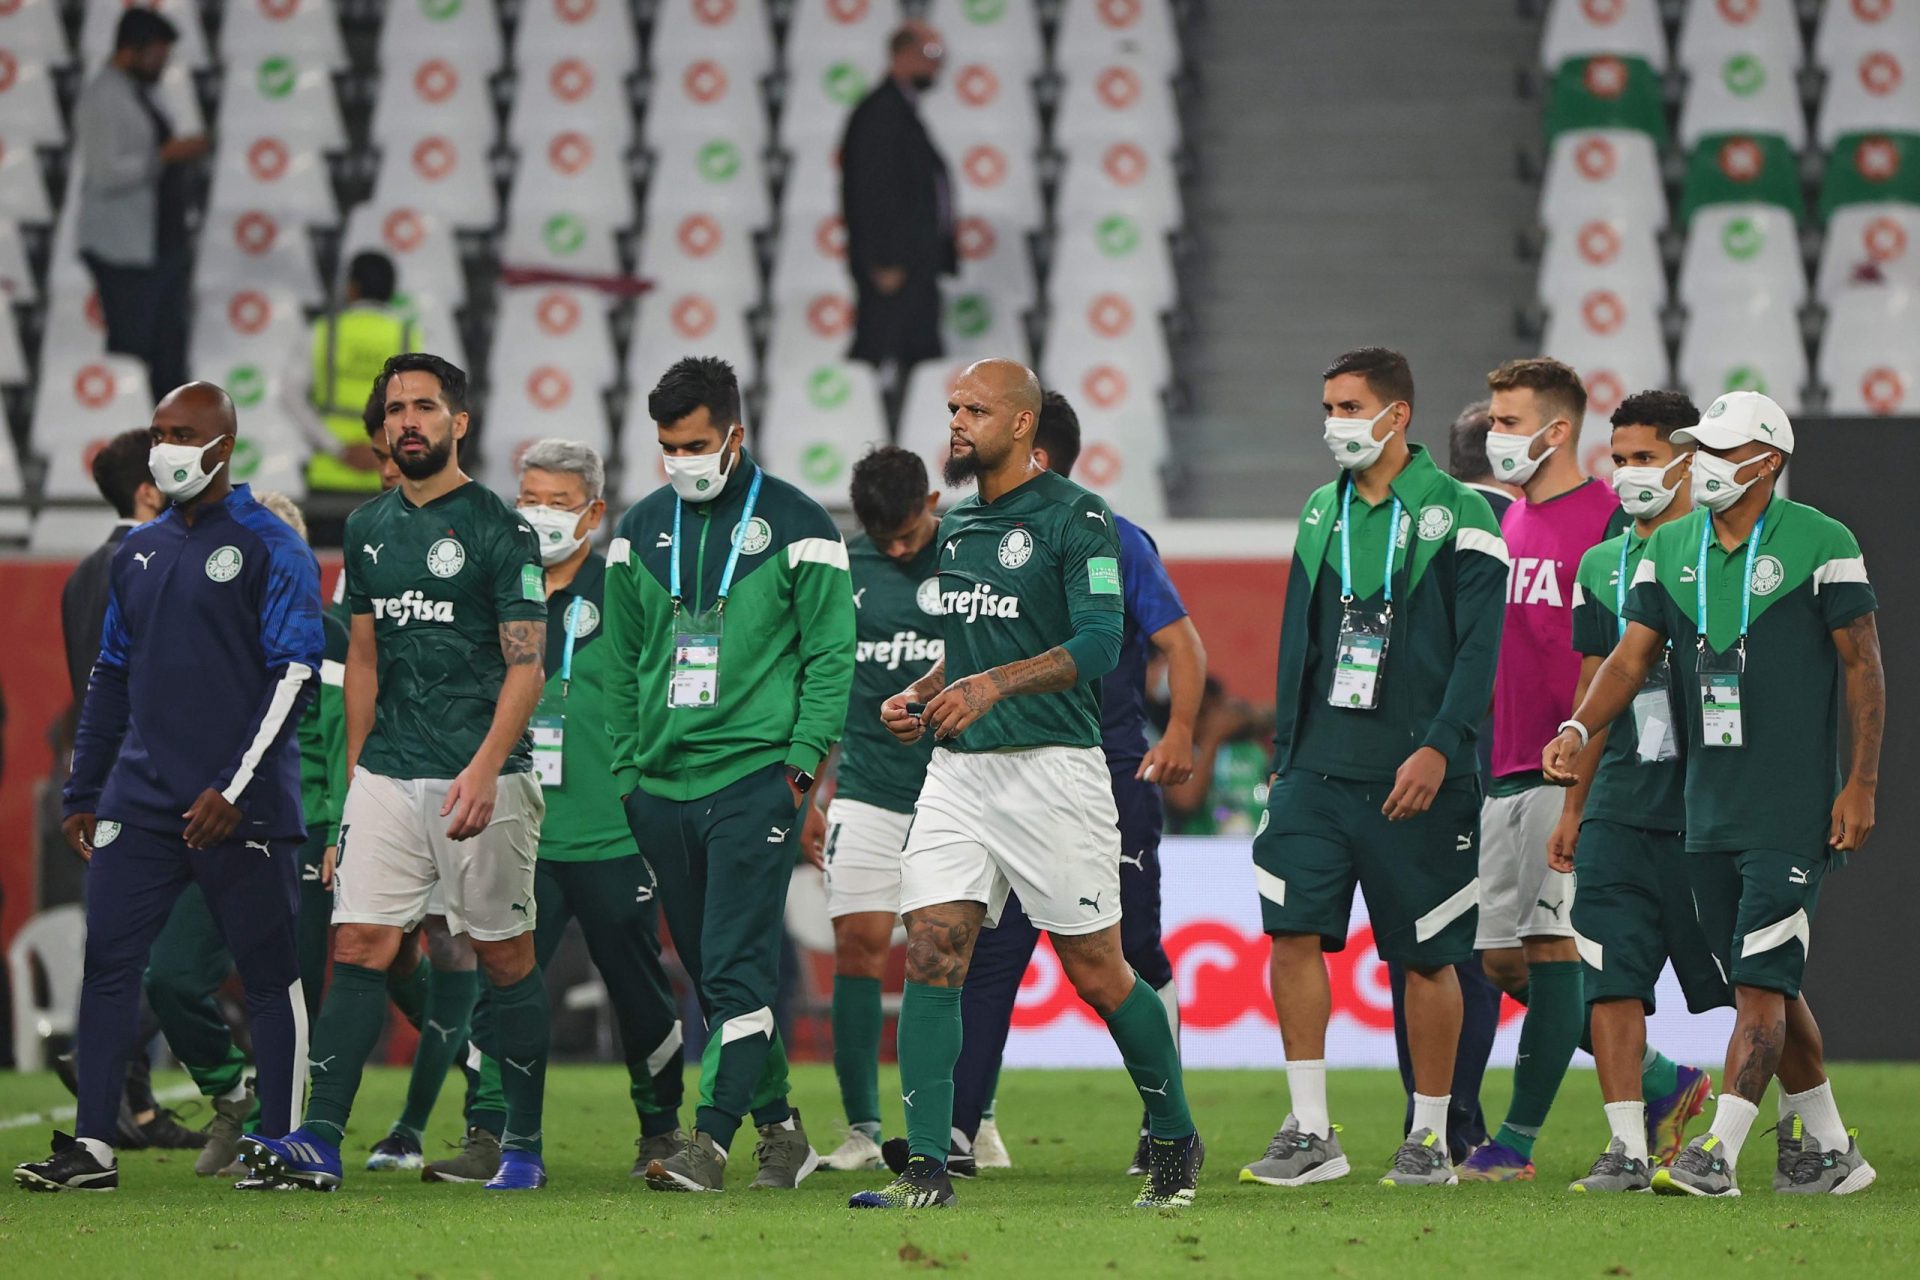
1626,789
439,581
585,820
1018,576
895,610
1809,580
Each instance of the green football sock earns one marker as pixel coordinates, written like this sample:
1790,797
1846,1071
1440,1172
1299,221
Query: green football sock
443,1039
1556,1010
993,1093
522,1026
856,1049
770,1105
350,1023
410,993
1139,1026
1659,1074
929,1045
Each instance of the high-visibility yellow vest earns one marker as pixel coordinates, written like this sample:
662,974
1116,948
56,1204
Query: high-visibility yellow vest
349,350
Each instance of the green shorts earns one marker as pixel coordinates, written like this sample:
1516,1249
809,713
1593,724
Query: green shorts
1634,912
1321,836
1757,910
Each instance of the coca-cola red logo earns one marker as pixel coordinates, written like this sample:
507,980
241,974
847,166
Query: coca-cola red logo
1599,243
436,80
403,230
255,233
570,79
93,386
1118,87
557,314
267,159
1594,158
249,312
549,387
693,316
1104,386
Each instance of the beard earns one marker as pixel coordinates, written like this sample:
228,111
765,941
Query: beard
426,465
960,468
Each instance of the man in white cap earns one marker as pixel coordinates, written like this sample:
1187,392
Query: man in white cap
1766,602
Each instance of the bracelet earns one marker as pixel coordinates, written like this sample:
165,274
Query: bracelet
1578,728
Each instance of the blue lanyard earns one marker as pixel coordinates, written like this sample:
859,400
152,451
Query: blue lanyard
733,557
570,623
1620,589
1346,546
1746,583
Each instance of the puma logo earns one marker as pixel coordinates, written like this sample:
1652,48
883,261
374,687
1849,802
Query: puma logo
1313,517
1138,861
1796,875
1093,902
643,894
144,556
524,1068
953,548
261,845
373,552
1463,842
1101,516
1161,1091
777,834
321,1065
662,540
446,1033
908,1097
1553,908
521,907
856,597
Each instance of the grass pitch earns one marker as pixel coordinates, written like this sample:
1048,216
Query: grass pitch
1062,1211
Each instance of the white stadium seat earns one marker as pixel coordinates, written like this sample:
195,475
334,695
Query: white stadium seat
23,192
1097,326
65,270
825,31
1741,251
100,17
290,94
812,254
1617,348
1879,90
81,403
702,252
446,175
1005,35
1115,252
1603,173
685,30
582,90
1098,31
813,181
13,360
1870,353
430,92
1600,254
978,101
76,328
820,419
570,26
251,247
1870,242
1114,101
811,328
17,284
544,324
562,240
1579,28
925,424
1745,92
1121,177
1850,28
553,398
994,259
706,98
285,177
713,175
421,246
819,97
33,30
244,326
975,324
997,180
467,33
1715,31
253,29
434,325
1751,344
670,324
29,109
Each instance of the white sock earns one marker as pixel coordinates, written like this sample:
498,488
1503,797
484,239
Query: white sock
98,1150
1307,1083
1170,997
1732,1117
236,1094
789,1124
1431,1114
1628,1120
1819,1115
961,1142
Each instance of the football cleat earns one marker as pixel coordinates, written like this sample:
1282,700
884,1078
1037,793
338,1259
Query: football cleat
989,1152
396,1151
519,1171
71,1167
1496,1162
300,1159
923,1184
1667,1117
1173,1172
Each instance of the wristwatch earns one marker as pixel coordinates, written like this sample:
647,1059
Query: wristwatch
802,780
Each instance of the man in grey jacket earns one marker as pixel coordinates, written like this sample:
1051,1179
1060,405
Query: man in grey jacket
134,196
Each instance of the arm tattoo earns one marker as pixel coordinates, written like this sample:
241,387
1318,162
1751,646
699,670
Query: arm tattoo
932,682
1866,698
523,643
1051,672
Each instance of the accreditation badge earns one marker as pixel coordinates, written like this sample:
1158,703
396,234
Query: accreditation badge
694,680
1360,660
1720,712
549,731
1653,716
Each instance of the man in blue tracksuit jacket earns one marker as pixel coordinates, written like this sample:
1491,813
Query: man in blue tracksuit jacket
186,769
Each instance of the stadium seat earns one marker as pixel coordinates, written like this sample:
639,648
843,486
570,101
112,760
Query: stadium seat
434,325
100,17
562,240
254,29
1869,168
1737,252
813,181
1751,344
1114,252
265,171
580,90
1113,102
541,324
604,27
703,99
551,398
1711,33
1600,254
1121,457
449,176
1004,35
242,247
466,33
978,102
265,328
1139,32
1606,91
75,327
1868,243
686,30
17,283
811,254
700,252
1120,178
81,402
14,518
65,270
421,246
1850,28
669,324
821,32
716,176
994,260
1737,168
1617,349
23,192
1747,92
974,324
1879,91
427,92
34,31
820,418
52,943
13,359
810,328
1613,174
581,172
290,94
997,181
819,97
925,423
1096,326
1870,353
29,109
1580,28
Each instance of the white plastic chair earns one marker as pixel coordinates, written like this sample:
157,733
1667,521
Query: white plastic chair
1869,358
828,30
1744,344
579,90
543,324
1867,242
1005,35
684,30
34,31
1603,173
1611,367
262,170
16,273
253,29
446,175
670,324
1579,28
979,101
427,91
1602,255
1850,28
100,17
1121,453
811,327
975,324
1742,251
290,94
76,327
1714,31
994,259
23,192
251,247
819,97
80,404
1096,326
703,253
811,254
1879,90
552,398
1122,177
421,246
179,100
714,175
1746,91
820,419
1116,253
52,943
13,360
568,26
813,182
244,326
1119,100
1098,31
999,181
706,98
29,110
563,240
467,33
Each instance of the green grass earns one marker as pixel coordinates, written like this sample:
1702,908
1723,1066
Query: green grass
1062,1211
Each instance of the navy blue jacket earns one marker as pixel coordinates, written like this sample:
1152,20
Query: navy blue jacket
209,653
1152,605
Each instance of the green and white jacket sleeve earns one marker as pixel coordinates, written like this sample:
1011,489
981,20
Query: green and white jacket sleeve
823,614
626,625
1479,615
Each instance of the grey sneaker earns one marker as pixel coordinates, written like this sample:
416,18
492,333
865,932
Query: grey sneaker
478,1161
1295,1158
1701,1169
1421,1161
1806,1170
784,1155
661,1146
700,1165
222,1151
1615,1170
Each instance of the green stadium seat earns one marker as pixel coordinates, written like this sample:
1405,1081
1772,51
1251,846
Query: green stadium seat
1741,168
1606,92
1865,168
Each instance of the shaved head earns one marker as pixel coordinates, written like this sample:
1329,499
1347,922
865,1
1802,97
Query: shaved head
200,416
994,408
1011,381
201,405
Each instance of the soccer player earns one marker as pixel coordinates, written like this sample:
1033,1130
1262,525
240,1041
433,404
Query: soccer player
896,594
1154,620
730,630
185,769
443,673
1388,641
1626,817
1766,606
1017,797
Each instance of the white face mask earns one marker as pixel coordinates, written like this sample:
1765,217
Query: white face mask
1644,492
1352,443
1508,454
557,529
1714,486
698,477
178,470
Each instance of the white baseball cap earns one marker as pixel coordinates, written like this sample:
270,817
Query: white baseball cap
1737,417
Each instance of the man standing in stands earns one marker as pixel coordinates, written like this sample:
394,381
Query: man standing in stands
325,376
